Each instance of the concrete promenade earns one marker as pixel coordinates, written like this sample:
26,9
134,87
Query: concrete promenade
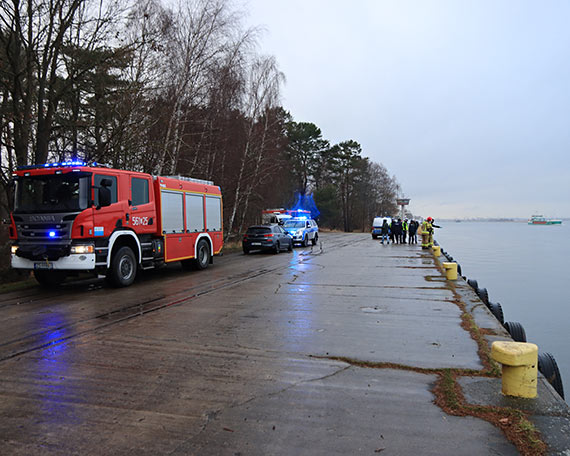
332,350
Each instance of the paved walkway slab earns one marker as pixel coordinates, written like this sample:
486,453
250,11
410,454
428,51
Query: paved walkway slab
248,368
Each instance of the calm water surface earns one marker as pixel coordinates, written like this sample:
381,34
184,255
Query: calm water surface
526,269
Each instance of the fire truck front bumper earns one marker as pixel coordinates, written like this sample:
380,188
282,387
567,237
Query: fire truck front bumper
72,262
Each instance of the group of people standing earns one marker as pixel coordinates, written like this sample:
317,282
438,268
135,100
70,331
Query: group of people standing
398,231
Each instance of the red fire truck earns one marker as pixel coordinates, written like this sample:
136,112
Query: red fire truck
72,216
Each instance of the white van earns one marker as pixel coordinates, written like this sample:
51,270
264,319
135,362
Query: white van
377,226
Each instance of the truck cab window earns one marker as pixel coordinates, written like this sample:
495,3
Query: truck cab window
139,191
52,193
97,183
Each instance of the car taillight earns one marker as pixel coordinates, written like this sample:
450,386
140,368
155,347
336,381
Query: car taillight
268,235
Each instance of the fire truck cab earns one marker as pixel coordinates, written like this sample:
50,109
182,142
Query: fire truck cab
70,217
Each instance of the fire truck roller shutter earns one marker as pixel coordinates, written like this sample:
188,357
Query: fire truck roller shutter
213,213
172,212
194,213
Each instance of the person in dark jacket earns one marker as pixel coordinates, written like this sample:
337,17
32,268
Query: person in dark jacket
385,232
412,230
397,229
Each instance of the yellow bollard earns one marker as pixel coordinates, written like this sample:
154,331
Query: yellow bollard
450,270
436,250
520,362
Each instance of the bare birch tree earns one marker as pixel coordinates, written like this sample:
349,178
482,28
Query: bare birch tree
202,35
148,27
262,93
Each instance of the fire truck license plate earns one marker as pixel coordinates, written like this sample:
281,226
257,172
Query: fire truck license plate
44,265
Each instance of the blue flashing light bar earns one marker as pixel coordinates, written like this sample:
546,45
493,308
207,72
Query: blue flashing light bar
51,234
70,163
66,163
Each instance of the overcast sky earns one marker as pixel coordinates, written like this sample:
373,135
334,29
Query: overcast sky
467,103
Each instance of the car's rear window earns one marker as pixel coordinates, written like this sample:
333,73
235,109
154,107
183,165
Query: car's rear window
258,230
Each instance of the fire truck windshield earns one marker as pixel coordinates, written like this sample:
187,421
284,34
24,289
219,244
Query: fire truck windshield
52,193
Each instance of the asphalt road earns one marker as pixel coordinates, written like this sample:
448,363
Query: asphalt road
237,359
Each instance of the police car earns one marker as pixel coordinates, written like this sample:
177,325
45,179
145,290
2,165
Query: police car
377,226
302,230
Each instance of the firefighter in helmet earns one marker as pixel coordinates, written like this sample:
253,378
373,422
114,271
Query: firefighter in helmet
427,232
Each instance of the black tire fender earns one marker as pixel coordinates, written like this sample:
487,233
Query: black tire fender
497,310
473,284
484,295
459,269
548,367
516,330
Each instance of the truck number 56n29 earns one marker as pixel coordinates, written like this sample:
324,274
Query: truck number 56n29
72,216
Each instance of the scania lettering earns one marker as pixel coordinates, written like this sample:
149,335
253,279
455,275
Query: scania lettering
71,217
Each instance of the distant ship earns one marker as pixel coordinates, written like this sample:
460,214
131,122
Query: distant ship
542,220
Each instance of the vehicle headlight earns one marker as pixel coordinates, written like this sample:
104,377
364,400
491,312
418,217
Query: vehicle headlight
82,249
14,249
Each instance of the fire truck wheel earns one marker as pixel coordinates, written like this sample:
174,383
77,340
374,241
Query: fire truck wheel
203,255
123,268
50,279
